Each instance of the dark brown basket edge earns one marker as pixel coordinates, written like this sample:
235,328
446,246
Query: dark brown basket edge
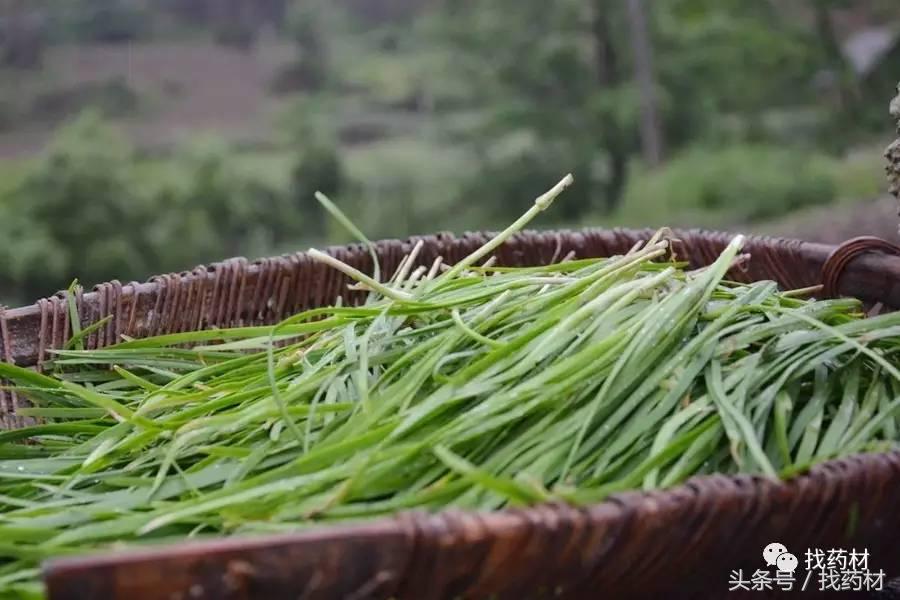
673,542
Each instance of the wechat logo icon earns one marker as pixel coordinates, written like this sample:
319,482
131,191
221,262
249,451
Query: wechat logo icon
777,555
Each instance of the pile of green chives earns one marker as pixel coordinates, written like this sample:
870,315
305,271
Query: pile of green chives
473,387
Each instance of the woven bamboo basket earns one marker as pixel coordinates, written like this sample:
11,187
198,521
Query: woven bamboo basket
681,542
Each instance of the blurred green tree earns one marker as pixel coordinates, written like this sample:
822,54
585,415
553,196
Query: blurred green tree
553,74
90,209
310,23
76,212
316,163
218,208
561,73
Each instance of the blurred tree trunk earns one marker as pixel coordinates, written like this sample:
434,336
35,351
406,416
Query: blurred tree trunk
232,12
236,22
21,43
196,11
847,85
212,12
642,49
609,76
274,11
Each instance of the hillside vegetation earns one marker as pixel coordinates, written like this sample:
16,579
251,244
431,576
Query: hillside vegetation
138,137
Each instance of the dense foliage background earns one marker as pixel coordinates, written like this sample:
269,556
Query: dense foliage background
145,136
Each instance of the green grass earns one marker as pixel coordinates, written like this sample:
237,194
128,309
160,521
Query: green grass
737,185
12,172
860,176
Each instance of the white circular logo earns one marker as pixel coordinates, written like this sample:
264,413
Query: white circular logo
772,552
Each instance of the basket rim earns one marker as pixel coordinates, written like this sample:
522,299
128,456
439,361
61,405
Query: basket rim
815,250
